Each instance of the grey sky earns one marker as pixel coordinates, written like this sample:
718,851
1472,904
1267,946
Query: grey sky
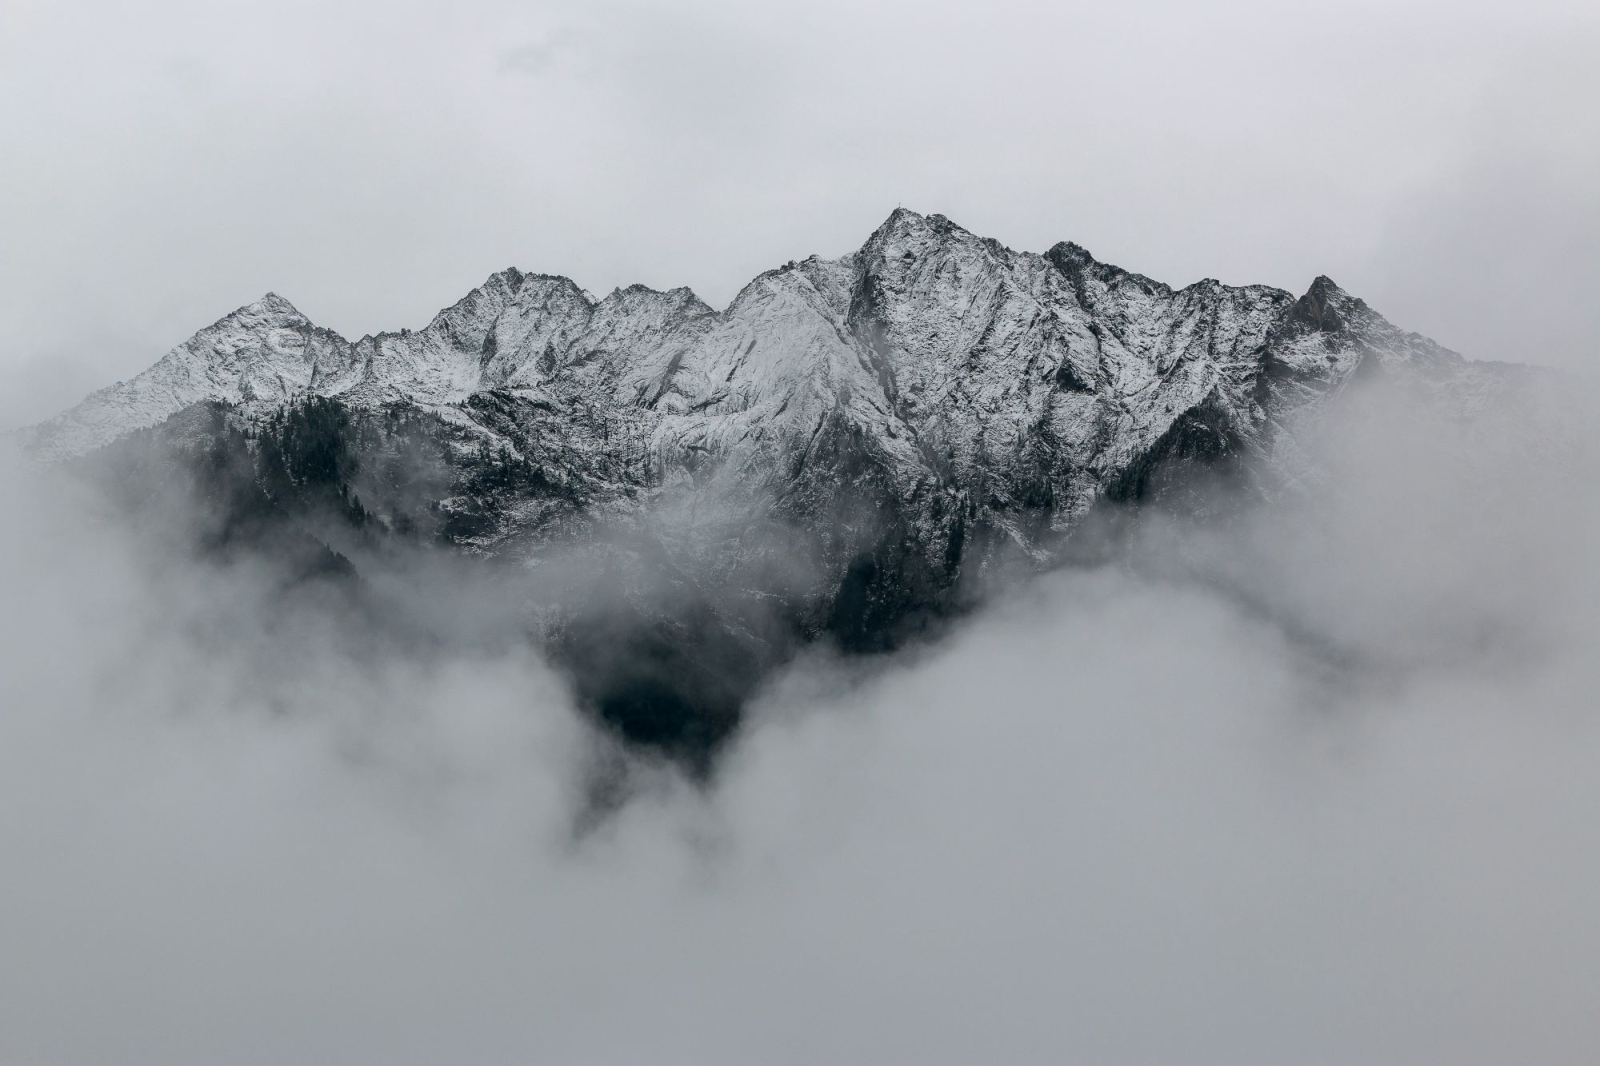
169,161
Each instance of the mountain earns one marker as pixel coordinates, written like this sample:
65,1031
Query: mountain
841,453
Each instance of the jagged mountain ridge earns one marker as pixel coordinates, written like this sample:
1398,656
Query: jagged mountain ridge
834,453
956,355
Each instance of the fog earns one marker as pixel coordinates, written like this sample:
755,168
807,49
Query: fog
1314,785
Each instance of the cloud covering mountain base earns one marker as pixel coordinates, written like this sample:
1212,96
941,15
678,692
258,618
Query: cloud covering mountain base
1315,784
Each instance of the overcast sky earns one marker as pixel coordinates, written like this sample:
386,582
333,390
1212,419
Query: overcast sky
170,160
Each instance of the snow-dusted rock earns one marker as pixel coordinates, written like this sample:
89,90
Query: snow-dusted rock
933,377
834,453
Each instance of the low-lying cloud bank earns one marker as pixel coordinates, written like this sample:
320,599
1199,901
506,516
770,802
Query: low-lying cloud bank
1320,786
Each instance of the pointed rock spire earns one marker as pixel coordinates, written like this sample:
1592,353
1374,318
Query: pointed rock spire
1325,307
270,304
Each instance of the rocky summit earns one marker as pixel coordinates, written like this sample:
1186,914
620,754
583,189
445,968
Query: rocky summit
838,455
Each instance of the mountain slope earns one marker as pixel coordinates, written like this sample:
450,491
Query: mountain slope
841,452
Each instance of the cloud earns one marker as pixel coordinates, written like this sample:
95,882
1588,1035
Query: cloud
563,46
1314,786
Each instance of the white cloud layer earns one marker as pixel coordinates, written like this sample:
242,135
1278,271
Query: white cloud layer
1324,793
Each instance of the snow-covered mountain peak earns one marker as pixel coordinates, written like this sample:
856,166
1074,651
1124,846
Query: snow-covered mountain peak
835,452
270,304
927,333
905,235
1327,308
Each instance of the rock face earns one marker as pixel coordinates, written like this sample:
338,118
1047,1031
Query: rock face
834,453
